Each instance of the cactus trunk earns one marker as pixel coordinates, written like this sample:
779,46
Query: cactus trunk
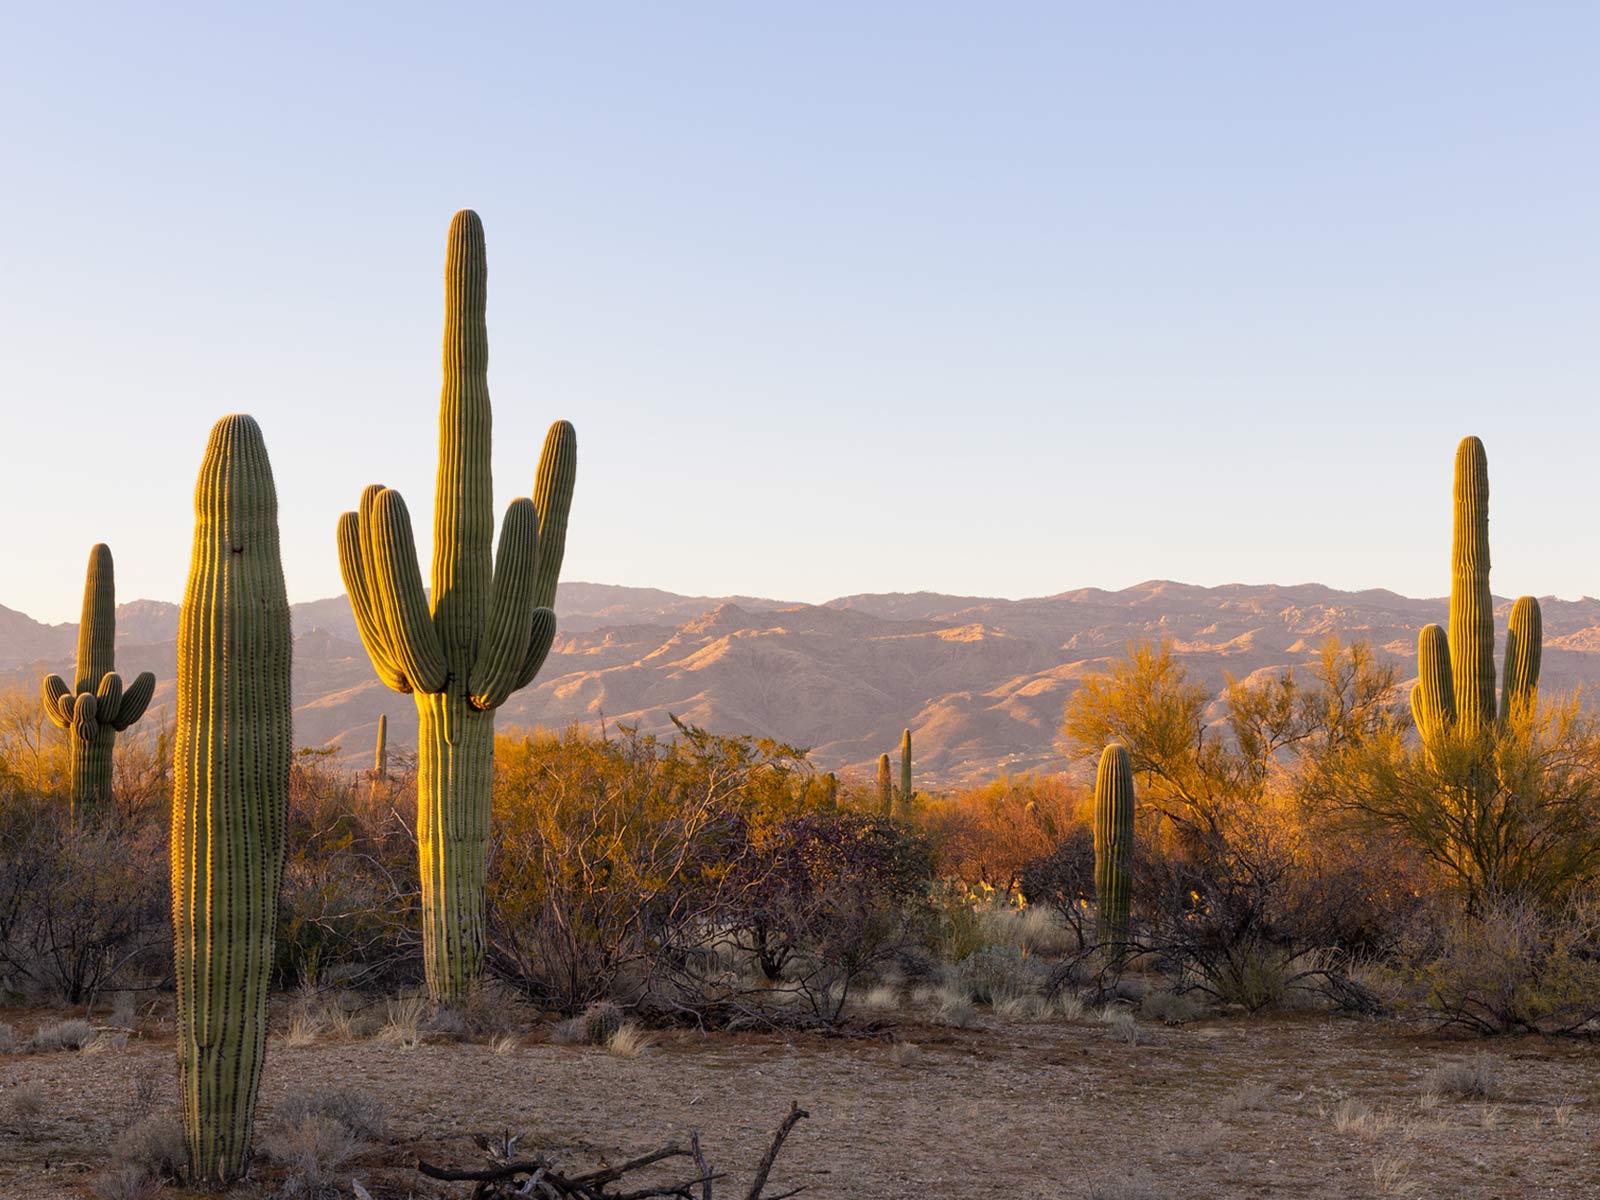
96,708
1471,605
1113,842
484,631
380,760
905,773
230,796
885,786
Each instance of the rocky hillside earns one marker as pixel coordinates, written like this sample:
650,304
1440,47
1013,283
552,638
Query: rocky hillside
980,681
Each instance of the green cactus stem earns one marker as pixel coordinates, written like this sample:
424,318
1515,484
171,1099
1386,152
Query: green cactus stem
380,760
905,773
1113,842
230,796
885,786
482,633
1519,689
96,707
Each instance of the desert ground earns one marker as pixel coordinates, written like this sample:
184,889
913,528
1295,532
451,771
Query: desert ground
1297,1105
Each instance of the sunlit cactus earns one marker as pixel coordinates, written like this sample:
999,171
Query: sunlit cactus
905,773
1456,674
482,633
96,707
230,796
1113,842
885,786
380,759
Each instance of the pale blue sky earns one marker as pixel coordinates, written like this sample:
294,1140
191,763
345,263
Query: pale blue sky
984,298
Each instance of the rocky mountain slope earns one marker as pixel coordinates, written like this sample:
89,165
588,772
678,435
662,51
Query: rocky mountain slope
980,681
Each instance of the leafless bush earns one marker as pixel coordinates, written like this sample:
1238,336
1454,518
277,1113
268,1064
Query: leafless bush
153,1147
73,1034
26,1107
125,1183
359,1113
1469,1079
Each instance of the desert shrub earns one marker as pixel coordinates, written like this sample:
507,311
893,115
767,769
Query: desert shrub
1514,967
615,859
1170,1006
1062,881
81,909
73,1034
152,1147
999,973
351,893
124,1183
361,1114
984,836
311,1149
1468,1079
25,1108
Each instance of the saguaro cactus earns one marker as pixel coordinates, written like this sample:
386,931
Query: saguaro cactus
484,631
1456,679
1113,842
230,795
380,760
96,707
885,786
905,772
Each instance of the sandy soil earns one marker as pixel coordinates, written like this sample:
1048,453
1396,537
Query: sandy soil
1024,1110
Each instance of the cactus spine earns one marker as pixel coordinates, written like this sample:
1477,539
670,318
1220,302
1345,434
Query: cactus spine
1456,677
484,631
96,707
885,786
230,795
380,760
905,773
1113,842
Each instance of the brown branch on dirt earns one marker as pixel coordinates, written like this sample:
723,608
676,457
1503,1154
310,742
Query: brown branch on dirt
501,1179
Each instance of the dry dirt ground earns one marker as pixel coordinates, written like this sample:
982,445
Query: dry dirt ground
1280,1107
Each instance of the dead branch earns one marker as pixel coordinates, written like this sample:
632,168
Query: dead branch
796,1115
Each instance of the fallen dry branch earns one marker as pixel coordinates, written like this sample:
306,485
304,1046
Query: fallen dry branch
538,1177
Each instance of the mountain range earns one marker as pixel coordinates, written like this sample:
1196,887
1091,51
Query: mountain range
981,682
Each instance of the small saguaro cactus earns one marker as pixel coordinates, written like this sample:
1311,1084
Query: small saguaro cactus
1113,842
96,707
885,786
482,633
380,760
230,796
905,773
1456,678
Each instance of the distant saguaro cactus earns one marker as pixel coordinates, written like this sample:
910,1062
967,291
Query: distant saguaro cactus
380,760
885,786
230,795
96,707
1113,842
905,773
484,631
1456,677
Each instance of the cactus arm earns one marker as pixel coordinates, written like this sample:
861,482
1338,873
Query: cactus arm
57,698
84,724
552,496
1471,605
373,639
1433,703
1519,688
108,699
543,635
397,587
505,644
135,699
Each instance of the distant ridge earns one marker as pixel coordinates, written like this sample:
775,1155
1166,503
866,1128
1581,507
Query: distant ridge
981,681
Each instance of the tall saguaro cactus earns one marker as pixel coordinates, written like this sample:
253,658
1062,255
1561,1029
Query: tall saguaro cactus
1456,678
230,795
885,787
96,707
380,759
484,631
1113,842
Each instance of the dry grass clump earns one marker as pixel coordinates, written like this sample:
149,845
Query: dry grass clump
505,1043
1249,1096
124,1183
1121,1023
1170,1007
1035,930
312,1151
879,998
595,1026
25,1109
905,1054
1391,1175
1359,1118
402,1022
64,1035
1468,1079
304,1027
153,1147
628,1041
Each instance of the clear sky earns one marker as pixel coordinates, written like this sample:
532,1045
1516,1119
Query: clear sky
996,299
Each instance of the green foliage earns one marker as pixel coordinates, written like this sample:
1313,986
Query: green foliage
484,630
230,795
